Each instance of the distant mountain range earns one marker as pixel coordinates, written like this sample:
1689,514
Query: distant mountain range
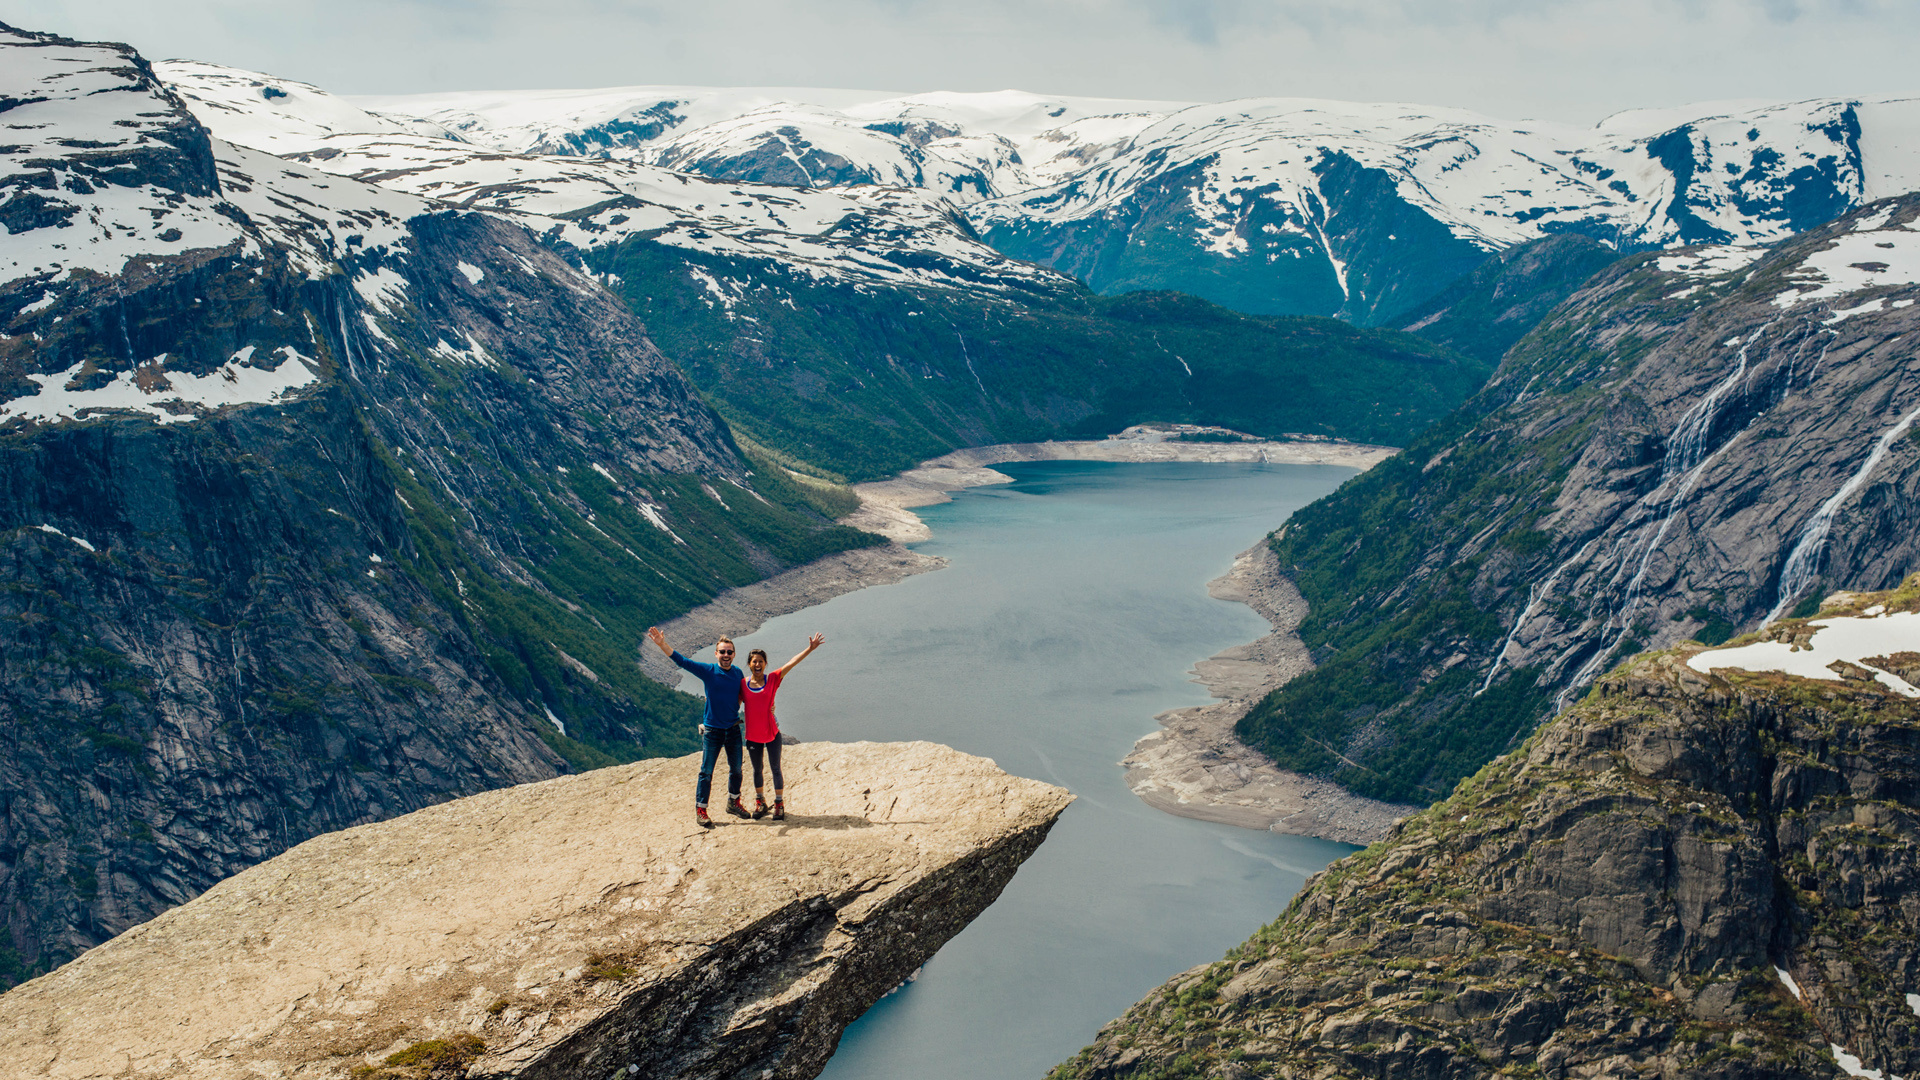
1269,206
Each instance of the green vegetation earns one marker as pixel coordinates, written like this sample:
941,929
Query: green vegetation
1483,313
431,1059
1401,619
856,383
594,572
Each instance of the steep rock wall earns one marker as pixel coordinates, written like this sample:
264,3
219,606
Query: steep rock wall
1691,444
1686,875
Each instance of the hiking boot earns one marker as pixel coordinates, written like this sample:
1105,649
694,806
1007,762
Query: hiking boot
759,808
701,818
779,809
734,808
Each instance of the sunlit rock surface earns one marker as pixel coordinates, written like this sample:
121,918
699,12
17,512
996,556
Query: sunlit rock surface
574,927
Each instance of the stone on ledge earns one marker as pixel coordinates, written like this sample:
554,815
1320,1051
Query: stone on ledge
576,927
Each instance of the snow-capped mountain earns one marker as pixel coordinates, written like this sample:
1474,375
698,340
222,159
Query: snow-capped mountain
897,235
1270,205
966,147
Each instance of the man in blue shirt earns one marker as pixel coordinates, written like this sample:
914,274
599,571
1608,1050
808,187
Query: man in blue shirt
719,724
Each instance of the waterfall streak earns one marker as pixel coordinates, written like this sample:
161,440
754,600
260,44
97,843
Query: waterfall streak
1686,460
1798,573
1535,594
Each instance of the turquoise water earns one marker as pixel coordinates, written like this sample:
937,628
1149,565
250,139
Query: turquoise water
1075,603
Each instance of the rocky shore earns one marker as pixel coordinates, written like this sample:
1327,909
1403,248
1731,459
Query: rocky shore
886,505
746,609
1194,765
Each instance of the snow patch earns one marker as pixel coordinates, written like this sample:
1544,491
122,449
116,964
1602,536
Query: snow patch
57,532
1854,261
602,470
381,288
1786,980
555,721
1852,1067
172,397
1843,638
474,273
652,513
1709,261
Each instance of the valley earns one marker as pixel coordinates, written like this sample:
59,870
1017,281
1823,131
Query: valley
349,445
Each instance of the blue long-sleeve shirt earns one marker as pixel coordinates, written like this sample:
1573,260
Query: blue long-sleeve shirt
723,690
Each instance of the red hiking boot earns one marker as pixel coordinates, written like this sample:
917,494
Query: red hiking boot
759,808
700,817
734,808
779,809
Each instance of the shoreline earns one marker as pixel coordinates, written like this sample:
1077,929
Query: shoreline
745,609
886,506
1195,766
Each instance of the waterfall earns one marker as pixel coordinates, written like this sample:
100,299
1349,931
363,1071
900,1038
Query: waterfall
1535,594
1798,573
1686,459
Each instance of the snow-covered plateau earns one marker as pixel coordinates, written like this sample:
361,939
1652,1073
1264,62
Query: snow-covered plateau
1285,206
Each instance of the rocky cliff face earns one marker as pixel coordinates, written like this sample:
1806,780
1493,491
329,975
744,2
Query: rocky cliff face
1692,873
579,927
319,503
1691,444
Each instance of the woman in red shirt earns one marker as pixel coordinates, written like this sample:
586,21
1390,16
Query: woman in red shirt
763,731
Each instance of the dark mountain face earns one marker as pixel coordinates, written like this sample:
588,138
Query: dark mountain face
864,380
1483,314
1687,874
1691,444
318,504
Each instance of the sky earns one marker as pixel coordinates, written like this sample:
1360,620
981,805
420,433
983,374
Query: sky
1567,60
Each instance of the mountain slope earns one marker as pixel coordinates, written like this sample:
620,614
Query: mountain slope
1690,445
319,502
864,329
1699,871
1485,312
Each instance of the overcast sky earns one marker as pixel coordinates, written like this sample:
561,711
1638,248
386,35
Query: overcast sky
1574,60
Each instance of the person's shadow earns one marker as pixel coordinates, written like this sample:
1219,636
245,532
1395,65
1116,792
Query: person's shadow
832,822
836,822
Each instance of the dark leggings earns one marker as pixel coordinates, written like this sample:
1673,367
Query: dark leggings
772,750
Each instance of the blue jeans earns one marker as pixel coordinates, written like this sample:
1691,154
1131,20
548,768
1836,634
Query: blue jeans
713,741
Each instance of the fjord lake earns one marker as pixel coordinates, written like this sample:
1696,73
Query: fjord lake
1072,608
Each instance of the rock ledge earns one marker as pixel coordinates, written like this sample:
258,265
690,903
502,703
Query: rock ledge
573,927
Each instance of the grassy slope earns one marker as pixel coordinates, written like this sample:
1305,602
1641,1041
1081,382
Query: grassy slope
862,382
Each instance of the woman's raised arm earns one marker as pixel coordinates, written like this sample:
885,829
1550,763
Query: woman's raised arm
813,643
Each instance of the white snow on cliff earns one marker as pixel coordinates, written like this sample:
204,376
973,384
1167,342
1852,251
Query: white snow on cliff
1843,639
170,397
1874,254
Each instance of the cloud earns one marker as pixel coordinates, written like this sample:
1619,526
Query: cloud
1568,59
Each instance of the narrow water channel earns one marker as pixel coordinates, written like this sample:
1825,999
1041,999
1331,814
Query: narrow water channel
1074,605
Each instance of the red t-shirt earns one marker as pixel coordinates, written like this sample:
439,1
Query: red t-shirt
761,726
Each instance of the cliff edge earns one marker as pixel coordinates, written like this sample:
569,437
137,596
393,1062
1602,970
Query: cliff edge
1707,868
582,926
